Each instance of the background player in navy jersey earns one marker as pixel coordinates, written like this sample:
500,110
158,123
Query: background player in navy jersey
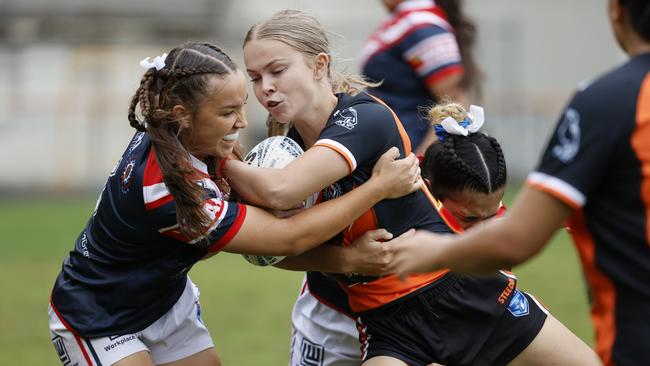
123,296
287,58
595,176
422,54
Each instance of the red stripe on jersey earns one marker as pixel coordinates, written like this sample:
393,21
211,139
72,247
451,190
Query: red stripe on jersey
385,46
234,229
76,335
436,10
159,202
444,213
602,289
444,73
152,173
176,234
640,142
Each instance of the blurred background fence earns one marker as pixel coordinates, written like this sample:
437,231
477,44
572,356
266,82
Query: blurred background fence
69,68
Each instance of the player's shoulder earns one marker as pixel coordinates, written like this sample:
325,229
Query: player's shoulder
361,108
619,84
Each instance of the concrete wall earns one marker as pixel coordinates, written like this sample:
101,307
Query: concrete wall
69,69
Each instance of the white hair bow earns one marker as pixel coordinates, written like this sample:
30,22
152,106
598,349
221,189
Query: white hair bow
474,122
158,62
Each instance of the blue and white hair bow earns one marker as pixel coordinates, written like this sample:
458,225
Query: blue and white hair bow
471,124
158,62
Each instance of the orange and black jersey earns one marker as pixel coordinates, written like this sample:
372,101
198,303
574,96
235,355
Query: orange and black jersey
361,129
598,163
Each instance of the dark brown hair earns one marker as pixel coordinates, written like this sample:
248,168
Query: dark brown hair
183,81
465,32
639,13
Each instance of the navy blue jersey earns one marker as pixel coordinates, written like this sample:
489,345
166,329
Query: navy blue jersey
598,163
129,264
413,49
361,128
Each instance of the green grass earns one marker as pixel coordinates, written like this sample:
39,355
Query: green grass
246,308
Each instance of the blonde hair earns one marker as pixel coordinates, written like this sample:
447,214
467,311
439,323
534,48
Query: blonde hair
306,35
445,109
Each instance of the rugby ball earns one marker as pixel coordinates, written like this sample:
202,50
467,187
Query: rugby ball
274,152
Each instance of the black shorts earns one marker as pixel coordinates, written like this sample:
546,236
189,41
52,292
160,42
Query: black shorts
458,320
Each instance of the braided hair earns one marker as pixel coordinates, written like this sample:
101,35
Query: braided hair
183,81
474,162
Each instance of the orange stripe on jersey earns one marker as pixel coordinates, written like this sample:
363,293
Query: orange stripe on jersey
602,290
640,142
402,132
559,195
444,213
386,289
340,152
366,222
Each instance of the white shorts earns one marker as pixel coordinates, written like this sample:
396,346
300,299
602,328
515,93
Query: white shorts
321,335
177,334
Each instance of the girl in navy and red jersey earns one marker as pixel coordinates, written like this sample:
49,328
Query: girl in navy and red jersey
123,296
595,177
422,53
485,320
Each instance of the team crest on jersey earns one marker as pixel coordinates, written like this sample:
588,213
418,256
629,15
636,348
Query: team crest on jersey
518,304
568,136
136,141
332,192
125,178
311,354
346,118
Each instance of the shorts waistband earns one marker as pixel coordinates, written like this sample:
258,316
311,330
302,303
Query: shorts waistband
414,299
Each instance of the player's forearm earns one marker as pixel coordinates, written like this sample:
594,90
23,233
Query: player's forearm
324,258
482,251
321,222
263,187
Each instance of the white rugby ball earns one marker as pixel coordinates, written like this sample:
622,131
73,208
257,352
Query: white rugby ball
274,152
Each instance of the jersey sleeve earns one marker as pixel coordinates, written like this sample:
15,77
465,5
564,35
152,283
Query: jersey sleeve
578,153
359,133
225,217
432,53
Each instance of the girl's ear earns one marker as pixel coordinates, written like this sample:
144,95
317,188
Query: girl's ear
182,116
321,66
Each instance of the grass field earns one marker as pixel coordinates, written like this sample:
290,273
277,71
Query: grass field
246,308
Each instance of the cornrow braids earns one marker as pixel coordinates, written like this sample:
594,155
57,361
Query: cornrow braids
183,81
501,176
474,162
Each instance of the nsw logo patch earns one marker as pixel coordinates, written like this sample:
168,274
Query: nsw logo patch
518,304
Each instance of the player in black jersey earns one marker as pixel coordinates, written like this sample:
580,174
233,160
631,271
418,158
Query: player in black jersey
288,59
595,176
123,296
